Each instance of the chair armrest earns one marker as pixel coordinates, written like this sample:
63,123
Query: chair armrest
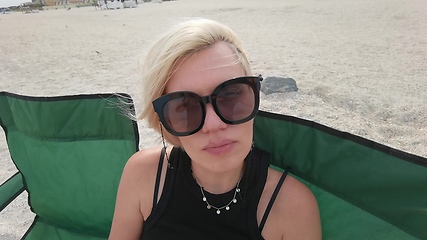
10,189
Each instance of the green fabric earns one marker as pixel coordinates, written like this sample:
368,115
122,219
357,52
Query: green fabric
365,190
71,152
10,189
43,230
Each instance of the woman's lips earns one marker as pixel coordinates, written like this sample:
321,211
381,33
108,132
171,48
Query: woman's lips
219,148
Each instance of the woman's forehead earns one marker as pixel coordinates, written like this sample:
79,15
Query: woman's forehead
205,70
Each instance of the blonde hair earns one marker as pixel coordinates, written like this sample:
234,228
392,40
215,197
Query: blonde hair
176,45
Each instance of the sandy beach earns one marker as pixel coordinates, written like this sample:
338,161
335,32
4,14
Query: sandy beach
360,66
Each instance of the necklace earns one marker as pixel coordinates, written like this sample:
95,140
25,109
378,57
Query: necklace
227,206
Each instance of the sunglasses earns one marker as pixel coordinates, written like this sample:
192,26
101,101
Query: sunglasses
235,101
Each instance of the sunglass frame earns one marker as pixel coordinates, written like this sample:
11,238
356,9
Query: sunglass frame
251,81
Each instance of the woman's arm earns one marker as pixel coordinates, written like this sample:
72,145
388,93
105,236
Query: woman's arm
295,213
304,213
134,196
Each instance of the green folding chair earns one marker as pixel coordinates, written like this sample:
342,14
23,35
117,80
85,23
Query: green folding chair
365,190
70,152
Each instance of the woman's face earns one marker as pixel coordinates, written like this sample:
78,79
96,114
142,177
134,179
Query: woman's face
217,147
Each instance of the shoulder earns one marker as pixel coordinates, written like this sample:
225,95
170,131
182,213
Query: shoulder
295,210
135,194
141,168
143,160
139,176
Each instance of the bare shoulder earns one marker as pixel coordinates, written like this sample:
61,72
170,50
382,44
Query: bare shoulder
140,168
135,194
295,211
139,176
144,160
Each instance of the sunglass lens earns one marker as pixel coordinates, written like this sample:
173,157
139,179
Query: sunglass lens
236,102
183,114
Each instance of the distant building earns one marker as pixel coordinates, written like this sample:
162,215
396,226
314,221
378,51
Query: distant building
50,2
62,2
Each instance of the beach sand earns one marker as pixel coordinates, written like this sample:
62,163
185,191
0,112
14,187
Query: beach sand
360,66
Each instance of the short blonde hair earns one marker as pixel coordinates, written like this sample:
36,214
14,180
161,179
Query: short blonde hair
164,57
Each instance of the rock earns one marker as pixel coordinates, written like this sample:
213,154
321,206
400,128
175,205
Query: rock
278,84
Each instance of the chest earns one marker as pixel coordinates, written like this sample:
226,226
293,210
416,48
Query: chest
182,212
187,216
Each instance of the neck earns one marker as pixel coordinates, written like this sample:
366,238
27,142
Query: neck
217,183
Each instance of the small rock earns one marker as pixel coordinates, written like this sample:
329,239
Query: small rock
278,84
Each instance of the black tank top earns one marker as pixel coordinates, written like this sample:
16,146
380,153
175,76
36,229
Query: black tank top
182,214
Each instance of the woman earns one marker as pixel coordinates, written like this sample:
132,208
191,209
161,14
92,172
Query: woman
201,97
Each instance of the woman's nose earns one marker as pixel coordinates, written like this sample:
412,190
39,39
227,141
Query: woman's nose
212,121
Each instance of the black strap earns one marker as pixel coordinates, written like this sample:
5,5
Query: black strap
273,198
159,173
168,187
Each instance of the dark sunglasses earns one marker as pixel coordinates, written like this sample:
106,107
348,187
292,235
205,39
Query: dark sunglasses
235,101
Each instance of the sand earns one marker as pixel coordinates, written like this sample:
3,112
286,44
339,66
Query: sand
360,66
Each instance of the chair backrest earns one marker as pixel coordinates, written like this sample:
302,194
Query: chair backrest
71,151
365,190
